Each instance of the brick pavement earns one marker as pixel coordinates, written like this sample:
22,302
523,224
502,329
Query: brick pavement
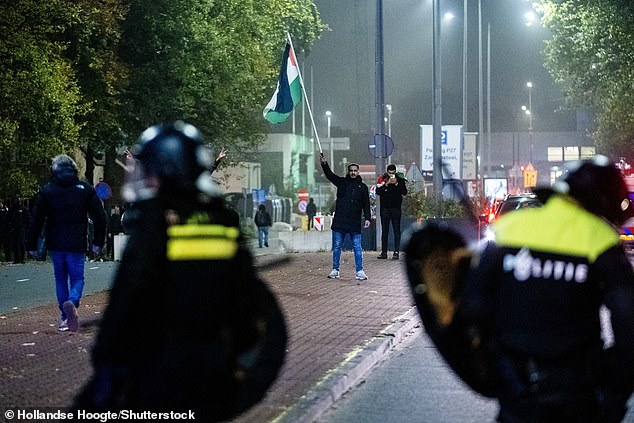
327,319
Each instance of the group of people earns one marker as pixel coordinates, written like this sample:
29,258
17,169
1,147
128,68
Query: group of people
13,223
518,321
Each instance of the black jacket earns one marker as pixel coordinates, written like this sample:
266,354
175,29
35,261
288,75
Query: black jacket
352,199
172,318
392,194
64,205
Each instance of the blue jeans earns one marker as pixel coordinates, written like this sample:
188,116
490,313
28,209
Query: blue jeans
68,267
337,243
263,232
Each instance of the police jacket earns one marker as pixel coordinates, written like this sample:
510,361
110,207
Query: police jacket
352,200
392,194
189,325
64,205
541,285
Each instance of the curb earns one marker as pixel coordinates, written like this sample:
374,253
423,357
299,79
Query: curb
350,372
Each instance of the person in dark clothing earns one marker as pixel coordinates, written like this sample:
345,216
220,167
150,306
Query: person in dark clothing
353,201
311,211
18,221
391,188
221,156
63,208
529,308
5,236
189,327
263,221
114,228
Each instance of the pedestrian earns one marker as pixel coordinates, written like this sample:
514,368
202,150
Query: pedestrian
391,188
18,222
530,308
353,202
263,221
311,211
63,208
216,163
5,236
189,326
114,228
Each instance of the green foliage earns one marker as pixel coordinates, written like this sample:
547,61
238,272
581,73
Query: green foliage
417,204
591,56
94,73
40,106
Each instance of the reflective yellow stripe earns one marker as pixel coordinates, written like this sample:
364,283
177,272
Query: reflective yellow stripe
201,249
202,230
201,242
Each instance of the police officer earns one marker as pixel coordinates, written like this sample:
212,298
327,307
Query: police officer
539,288
189,325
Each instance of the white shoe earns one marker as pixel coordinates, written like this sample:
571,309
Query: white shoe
63,326
361,276
334,274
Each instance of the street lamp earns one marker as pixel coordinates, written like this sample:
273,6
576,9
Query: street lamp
529,85
332,153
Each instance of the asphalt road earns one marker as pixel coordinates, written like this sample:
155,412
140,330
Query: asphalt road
26,286
414,385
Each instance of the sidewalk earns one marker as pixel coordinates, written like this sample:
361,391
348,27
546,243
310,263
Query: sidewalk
337,330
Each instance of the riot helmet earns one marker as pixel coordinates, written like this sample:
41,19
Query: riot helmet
599,187
170,159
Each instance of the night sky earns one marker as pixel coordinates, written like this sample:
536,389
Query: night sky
342,65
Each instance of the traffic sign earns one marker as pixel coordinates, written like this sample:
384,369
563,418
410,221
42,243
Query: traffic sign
301,206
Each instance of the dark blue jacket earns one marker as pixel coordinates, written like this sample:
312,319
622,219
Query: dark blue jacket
64,205
353,198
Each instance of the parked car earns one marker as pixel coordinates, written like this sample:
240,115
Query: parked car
515,202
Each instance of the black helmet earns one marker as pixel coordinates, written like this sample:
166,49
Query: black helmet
169,159
599,187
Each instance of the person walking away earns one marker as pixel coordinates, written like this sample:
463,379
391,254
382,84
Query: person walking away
63,207
263,221
18,221
353,202
5,236
311,211
189,326
391,188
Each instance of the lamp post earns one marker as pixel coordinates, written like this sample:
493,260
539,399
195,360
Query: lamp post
437,101
529,85
332,152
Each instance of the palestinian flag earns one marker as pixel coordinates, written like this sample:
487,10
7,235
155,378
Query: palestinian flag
288,92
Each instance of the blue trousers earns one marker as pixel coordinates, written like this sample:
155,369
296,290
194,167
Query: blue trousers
68,268
263,234
337,244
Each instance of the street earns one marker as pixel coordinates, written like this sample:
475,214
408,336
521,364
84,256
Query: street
415,385
24,286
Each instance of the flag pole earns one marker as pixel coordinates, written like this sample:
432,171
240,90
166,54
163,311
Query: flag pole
301,82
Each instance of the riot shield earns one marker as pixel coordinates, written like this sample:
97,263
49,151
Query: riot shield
438,262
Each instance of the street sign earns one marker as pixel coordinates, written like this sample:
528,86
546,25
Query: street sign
381,146
301,206
318,223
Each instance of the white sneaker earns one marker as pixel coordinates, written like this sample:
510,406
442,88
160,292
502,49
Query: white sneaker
63,326
334,274
71,316
361,276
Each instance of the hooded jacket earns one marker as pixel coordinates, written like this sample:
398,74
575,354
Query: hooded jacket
353,198
64,205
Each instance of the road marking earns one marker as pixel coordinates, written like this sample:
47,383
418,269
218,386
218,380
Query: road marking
23,280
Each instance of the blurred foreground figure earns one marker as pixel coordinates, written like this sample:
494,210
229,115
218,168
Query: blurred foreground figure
519,320
189,325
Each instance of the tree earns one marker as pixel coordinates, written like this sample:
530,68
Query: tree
40,106
211,63
591,56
